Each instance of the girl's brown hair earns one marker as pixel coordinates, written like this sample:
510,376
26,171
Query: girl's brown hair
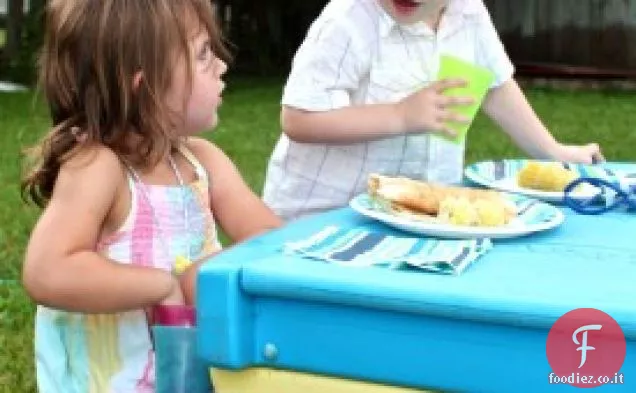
93,51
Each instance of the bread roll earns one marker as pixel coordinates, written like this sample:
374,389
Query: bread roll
423,196
447,204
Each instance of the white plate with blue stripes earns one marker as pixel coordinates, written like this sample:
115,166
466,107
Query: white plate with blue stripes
501,175
532,216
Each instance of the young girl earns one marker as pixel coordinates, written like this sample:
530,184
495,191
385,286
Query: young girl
362,97
127,189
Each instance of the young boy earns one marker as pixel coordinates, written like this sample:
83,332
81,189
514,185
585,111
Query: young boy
354,101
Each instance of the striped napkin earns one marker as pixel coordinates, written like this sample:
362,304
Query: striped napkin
359,247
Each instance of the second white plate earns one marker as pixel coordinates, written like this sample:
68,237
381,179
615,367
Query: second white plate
502,175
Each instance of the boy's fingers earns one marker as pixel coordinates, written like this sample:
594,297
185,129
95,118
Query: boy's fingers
442,127
445,101
448,131
598,157
448,116
595,152
444,84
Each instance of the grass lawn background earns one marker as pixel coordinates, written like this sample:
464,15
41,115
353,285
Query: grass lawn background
248,131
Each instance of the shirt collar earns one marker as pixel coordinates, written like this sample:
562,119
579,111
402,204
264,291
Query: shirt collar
454,10
386,23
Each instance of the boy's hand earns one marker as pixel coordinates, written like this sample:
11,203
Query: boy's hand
581,154
428,110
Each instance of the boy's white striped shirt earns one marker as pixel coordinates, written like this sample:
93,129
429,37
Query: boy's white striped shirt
355,54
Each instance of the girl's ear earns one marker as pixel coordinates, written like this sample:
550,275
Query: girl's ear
137,80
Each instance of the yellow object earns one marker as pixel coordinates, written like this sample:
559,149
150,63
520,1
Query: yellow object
181,264
263,380
458,211
479,212
490,214
549,176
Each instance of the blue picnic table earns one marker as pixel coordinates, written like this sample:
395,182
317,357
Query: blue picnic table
267,316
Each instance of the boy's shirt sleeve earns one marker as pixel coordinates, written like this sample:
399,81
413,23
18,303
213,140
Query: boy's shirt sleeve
491,52
327,68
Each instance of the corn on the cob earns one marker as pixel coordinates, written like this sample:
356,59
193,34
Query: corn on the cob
550,176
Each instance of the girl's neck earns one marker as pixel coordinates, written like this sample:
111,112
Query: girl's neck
168,171
158,157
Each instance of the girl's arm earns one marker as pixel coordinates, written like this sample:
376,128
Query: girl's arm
62,268
508,107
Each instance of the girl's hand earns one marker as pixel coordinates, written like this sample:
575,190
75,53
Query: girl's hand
583,154
175,296
188,279
428,110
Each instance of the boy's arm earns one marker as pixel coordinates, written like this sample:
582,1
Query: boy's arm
344,125
509,108
426,110
62,269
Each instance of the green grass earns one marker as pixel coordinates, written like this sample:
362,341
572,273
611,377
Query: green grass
248,131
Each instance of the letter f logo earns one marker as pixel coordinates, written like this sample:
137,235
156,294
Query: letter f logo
584,347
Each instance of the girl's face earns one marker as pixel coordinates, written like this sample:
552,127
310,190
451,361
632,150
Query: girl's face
412,11
204,99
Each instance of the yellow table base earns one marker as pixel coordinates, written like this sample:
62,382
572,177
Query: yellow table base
263,380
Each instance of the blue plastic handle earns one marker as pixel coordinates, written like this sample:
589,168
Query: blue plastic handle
597,204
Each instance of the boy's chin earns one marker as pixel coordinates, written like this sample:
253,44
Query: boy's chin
407,20
404,14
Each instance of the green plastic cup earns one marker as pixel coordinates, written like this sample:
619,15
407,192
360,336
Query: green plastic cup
479,81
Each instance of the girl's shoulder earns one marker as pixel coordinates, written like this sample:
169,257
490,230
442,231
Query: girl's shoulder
215,162
204,151
97,160
96,168
91,179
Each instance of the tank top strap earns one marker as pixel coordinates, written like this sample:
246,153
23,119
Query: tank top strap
202,174
132,187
